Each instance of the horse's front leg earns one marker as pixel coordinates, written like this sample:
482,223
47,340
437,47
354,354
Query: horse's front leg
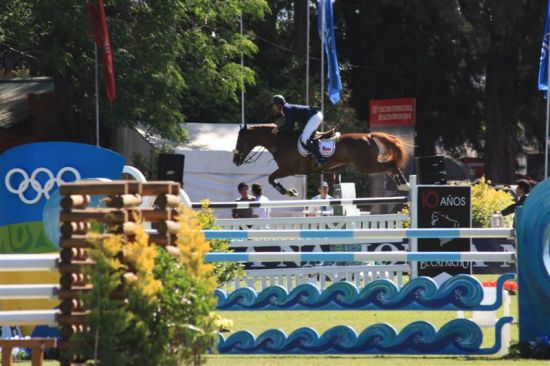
278,186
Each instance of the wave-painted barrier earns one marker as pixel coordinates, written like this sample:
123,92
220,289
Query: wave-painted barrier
461,292
459,336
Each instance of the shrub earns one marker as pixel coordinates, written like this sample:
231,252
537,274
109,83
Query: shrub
406,210
486,200
165,316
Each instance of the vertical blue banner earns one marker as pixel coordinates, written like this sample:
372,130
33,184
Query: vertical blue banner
543,67
334,82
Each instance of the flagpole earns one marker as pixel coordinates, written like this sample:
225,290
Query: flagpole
307,52
242,73
323,26
323,21
96,97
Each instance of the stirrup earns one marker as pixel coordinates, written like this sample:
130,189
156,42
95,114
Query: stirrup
313,148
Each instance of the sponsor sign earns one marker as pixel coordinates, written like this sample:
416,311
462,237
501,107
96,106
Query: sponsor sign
444,207
392,112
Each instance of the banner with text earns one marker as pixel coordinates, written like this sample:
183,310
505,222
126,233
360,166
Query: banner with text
392,112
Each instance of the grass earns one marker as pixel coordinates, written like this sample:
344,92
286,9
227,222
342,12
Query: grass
257,322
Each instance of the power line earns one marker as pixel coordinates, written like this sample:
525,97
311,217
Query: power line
289,50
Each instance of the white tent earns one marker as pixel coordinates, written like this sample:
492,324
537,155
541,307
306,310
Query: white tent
209,172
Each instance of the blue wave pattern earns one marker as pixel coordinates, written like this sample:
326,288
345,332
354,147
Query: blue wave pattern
533,250
459,336
461,292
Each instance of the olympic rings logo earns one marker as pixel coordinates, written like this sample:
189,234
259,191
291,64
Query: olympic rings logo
34,184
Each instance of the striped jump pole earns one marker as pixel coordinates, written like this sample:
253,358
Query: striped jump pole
28,262
308,203
359,234
397,256
27,292
29,317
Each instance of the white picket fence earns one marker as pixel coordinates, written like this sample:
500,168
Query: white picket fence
322,275
322,222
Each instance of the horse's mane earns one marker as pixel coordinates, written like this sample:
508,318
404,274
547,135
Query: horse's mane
283,137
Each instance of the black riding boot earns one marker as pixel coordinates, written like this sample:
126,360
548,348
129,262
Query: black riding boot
313,148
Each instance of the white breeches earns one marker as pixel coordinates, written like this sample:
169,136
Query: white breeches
311,126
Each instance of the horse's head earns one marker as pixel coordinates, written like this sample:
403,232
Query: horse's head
243,147
249,138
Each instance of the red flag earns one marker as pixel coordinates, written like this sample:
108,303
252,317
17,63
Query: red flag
99,23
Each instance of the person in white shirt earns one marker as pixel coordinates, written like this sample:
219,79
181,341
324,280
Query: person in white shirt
261,212
323,195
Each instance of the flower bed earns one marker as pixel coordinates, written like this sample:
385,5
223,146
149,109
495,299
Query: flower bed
510,286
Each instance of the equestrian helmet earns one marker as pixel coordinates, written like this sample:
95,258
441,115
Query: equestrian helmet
278,99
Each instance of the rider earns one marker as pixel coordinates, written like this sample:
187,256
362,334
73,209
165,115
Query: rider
311,117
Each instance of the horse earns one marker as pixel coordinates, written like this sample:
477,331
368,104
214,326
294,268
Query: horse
359,150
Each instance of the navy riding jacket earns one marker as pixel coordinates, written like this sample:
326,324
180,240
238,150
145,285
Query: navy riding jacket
296,113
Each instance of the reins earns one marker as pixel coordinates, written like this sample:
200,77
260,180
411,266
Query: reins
254,156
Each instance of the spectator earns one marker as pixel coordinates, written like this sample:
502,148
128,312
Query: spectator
242,213
323,195
522,191
260,212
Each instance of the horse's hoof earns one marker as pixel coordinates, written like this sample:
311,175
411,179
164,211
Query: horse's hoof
292,192
404,187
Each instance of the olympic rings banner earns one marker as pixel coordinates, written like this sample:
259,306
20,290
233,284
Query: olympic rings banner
30,176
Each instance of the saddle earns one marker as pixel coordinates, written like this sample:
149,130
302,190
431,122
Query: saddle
324,135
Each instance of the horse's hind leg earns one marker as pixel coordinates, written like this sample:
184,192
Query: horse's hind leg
400,180
278,186
394,172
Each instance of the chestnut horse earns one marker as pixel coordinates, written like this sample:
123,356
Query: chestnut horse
357,149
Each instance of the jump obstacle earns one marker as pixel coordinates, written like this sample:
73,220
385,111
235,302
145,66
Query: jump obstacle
463,292
120,216
259,275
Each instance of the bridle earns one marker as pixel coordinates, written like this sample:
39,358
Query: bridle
253,156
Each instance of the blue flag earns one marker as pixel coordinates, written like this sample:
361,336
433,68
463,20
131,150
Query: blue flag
334,82
543,68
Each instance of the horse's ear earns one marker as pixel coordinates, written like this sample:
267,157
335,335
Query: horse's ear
244,126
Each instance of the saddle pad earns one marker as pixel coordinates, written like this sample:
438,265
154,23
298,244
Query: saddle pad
326,147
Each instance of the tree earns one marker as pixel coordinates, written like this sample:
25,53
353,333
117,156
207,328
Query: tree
507,36
470,64
168,56
413,48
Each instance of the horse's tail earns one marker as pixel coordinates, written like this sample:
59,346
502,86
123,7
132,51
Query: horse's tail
395,148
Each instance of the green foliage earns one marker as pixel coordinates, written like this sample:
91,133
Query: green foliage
171,58
486,200
224,271
165,316
179,327
109,319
